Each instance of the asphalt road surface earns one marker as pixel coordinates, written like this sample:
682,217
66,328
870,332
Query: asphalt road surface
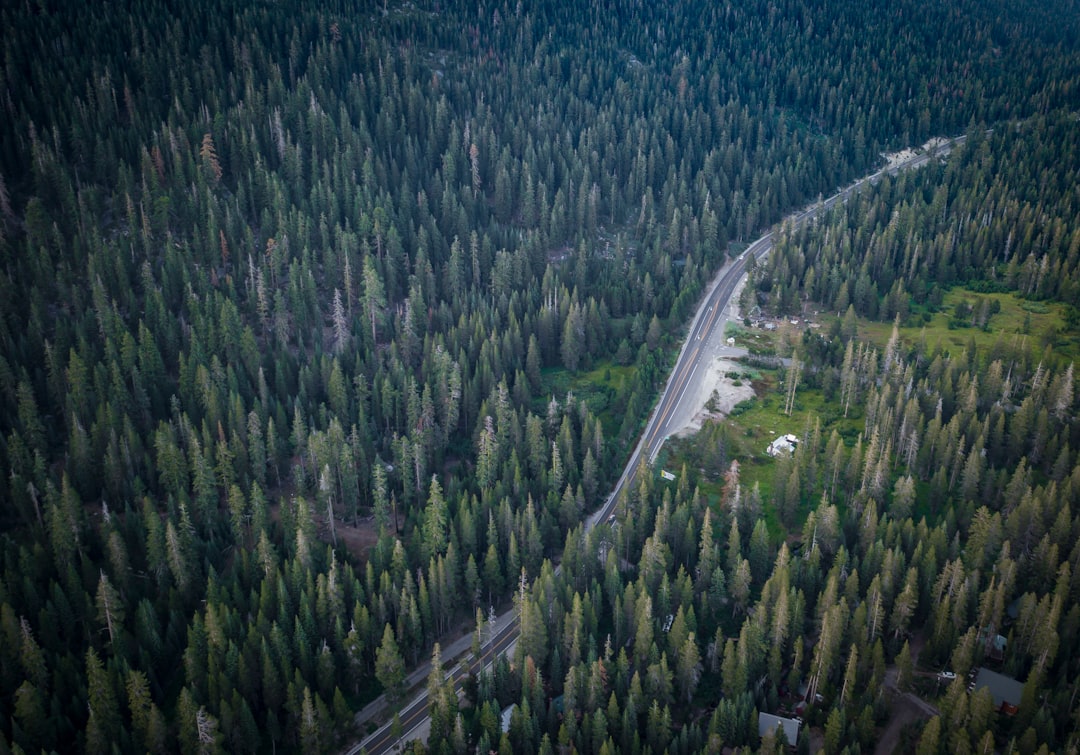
413,717
703,343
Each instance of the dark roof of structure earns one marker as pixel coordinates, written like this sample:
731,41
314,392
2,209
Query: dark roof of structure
1005,689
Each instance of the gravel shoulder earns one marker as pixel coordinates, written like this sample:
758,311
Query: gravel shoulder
714,377
728,394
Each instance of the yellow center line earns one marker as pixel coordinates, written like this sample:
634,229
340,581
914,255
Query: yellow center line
676,388
685,371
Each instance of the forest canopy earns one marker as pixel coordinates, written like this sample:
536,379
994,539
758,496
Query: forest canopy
322,323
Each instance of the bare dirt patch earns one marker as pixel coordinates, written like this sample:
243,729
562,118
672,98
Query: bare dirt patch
718,393
357,540
761,387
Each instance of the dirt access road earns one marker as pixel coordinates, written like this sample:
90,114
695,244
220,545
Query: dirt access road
905,708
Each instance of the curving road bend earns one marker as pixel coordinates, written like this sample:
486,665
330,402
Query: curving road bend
706,336
704,342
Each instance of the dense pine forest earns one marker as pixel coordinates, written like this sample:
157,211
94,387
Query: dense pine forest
323,326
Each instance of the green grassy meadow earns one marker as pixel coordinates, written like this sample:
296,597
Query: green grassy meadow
1042,324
